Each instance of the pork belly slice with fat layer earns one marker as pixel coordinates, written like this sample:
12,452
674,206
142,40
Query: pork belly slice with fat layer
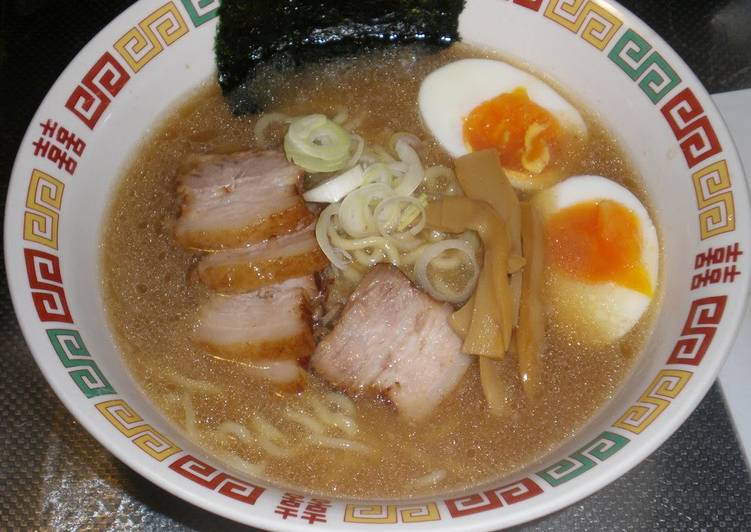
271,262
287,375
394,340
270,324
229,201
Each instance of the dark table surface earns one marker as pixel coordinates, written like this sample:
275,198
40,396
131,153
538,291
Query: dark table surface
53,475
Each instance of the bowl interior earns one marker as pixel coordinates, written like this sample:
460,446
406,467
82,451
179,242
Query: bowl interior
117,89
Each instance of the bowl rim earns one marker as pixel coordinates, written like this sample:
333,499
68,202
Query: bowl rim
563,498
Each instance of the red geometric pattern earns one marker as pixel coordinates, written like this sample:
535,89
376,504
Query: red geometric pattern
698,332
46,283
100,84
691,127
495,498
534,5
209,477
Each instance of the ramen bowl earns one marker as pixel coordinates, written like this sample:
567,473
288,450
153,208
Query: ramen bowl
97,113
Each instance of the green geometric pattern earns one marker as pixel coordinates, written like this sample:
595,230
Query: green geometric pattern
201,11
598,450
632,55
72,352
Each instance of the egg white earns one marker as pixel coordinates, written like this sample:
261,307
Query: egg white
451,92
599,312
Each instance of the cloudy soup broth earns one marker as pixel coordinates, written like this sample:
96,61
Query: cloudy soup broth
152,298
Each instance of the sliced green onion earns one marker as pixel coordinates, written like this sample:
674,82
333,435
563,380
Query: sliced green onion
338,257
378,173
356,213
411,213
341,115
414,174
395,221
433,251
378,218
354,122
335,188
355,158
398,167
317,144
405,138
382,155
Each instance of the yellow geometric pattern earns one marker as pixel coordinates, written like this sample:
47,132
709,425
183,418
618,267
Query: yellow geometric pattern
600,25
714,198
666,387
145,41
43,201
375,514
419,513
132,426
389,514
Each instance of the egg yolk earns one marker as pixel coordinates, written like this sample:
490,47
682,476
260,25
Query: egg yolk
524,133
598,241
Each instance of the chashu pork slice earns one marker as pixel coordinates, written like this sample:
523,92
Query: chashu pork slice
270,262
394,340
286,375
272,323
229,201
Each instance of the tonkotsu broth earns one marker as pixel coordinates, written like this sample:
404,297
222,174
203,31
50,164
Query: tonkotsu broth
151,303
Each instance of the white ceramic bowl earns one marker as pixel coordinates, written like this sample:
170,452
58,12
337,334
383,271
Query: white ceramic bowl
157,51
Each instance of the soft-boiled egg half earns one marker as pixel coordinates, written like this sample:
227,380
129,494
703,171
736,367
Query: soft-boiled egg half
475,104
602,255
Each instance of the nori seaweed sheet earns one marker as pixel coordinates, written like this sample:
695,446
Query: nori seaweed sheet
285,34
